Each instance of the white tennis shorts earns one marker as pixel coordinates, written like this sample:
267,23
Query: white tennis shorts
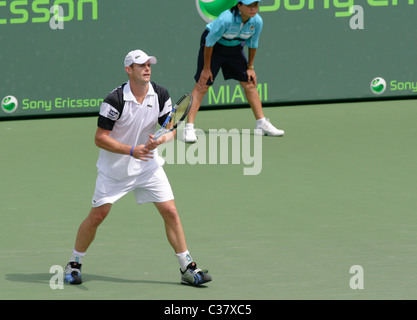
151,186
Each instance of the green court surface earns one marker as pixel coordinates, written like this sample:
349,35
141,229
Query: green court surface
338,190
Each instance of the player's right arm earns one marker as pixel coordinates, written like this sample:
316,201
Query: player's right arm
103,140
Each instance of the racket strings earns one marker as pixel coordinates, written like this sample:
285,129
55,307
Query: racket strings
177,115
181,108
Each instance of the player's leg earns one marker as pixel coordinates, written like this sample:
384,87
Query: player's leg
173,226
87,230
190,274
85,236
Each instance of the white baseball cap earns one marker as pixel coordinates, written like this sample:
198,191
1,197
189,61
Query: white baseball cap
139,57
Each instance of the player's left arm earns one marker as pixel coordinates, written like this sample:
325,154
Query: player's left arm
167,137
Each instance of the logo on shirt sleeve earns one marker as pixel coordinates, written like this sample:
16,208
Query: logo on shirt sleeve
113,114
108,111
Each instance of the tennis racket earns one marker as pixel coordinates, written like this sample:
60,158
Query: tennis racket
177,115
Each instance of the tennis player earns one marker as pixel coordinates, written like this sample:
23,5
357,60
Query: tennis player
129,162
222,46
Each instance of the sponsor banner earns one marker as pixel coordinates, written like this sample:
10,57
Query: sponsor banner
26,107
65,56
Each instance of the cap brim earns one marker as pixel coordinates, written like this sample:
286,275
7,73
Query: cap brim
250,2
151,59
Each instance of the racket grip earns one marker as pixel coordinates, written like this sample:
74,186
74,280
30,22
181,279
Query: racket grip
159,134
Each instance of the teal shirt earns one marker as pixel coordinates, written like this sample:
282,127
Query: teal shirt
229,30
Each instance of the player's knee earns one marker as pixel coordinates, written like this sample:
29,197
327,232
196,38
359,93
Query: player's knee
98,219
97,215
171,215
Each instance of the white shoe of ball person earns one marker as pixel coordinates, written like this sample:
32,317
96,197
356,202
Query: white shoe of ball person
189,133
264,125
267,129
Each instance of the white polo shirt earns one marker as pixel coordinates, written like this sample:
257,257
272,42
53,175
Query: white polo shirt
131,123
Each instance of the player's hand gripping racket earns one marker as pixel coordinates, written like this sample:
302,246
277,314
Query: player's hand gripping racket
177,115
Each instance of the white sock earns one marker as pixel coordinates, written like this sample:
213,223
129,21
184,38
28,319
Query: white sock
189,125
184,259
77,256
261,121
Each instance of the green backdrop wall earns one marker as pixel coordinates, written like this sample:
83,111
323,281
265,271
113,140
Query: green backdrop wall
310,50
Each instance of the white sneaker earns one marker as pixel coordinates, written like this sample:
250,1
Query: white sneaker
268,129
189,134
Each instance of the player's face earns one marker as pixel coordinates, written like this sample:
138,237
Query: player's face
140,72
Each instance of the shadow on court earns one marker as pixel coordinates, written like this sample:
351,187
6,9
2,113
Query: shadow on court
44,278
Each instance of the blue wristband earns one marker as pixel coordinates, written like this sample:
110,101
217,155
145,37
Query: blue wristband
131,151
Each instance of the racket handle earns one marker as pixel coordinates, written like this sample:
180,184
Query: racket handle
159,133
